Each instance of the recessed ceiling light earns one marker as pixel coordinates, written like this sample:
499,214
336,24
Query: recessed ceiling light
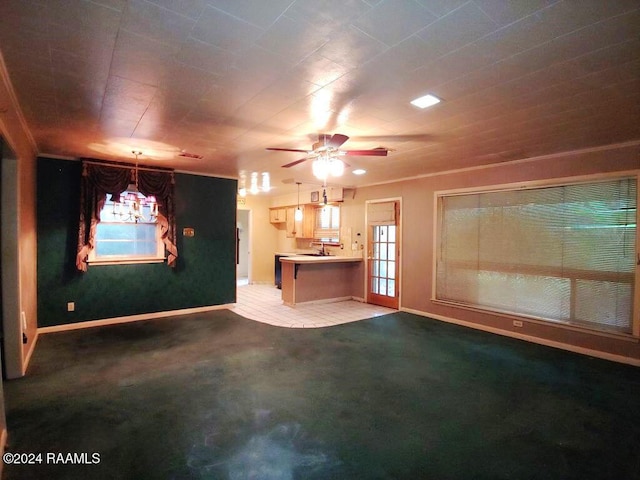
425,101
359,171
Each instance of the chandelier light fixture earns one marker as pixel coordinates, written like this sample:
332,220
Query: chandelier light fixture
132,203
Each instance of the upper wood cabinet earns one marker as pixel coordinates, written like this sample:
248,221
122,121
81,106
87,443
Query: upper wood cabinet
291,224
305,227
295,229
277,215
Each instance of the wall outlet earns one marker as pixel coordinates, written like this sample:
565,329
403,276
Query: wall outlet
517,323
71,306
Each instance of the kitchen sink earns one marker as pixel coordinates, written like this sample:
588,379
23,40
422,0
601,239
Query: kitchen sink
316,255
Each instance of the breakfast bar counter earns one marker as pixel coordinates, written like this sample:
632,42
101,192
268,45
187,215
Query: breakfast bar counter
308,278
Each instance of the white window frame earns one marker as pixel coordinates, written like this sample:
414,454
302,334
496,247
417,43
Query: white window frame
557,182
332,233
157,257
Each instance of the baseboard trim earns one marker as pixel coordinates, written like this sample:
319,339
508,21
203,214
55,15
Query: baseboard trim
27,358
320,301
541,341
131,318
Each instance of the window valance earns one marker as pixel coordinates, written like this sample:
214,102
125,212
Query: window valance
99,180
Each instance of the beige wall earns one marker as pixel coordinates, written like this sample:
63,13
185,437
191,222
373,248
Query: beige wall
418,238
417,218
263,241
16,135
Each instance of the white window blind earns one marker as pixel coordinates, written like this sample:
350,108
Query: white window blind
562,253
381,213
327,228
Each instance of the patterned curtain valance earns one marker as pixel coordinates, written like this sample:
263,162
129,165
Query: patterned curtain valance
100,180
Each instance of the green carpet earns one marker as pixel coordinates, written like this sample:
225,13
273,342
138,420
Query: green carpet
217,396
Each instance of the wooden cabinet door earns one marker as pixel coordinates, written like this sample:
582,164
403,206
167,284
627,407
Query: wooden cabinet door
277,215
291,224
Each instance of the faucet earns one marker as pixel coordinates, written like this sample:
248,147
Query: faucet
321,250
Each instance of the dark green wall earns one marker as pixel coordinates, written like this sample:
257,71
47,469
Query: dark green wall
205,273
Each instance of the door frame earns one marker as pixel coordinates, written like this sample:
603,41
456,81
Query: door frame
399,237
249,235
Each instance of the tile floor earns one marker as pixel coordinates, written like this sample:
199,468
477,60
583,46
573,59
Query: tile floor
263,303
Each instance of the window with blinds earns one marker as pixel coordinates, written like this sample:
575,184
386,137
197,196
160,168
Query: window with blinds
559,253
327,228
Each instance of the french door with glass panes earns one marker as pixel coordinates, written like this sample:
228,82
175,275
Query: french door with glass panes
383,254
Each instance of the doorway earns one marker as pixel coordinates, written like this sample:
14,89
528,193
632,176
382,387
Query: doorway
383,253
243,250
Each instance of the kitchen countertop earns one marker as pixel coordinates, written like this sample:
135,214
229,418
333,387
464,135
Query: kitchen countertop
301,259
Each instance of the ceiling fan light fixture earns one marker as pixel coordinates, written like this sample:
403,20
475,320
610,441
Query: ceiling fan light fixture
320,168
325,166
425,101
336,167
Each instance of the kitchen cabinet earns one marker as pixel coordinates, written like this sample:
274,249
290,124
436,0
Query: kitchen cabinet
291,224
277,215
301,228
305,227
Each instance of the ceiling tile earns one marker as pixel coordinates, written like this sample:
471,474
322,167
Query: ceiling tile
186,84
262,14
188,8
337,13
24,16
291,39
224,31
141,59
508,12
205,56
352,48
81,14
391,21
157,23
127,95
460,27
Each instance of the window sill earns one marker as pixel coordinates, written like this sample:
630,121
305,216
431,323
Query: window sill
548,323
125,261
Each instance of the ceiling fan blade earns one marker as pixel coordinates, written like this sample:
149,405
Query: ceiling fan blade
377,152
294,163
337,140
287,149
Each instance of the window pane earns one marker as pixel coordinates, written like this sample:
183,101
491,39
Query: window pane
392,233
561,253
129,239
391,273
391,286
383,269
392,251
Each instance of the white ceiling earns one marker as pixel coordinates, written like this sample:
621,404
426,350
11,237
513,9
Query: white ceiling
227,78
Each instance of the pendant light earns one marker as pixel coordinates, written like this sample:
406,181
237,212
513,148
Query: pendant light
298,214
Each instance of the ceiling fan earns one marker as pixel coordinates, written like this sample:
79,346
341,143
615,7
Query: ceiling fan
328,146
